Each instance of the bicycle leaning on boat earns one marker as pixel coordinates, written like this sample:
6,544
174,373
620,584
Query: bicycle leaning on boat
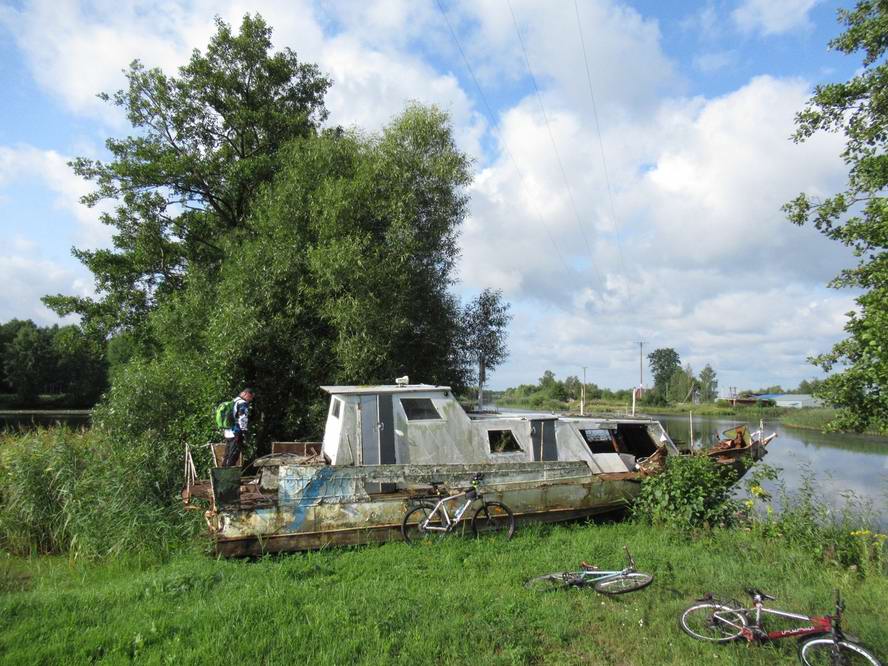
605,582
431,520
823,642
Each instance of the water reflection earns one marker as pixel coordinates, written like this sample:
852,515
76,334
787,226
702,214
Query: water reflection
18,421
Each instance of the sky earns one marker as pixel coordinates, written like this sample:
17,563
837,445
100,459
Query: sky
630,159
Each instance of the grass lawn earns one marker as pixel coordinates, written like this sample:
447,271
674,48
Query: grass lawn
459,601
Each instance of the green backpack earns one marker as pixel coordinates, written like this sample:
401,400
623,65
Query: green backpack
225,414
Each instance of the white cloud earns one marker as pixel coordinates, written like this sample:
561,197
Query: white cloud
627,65
76,51
773,17
27,279
719,181
709,263
714,61
705,22
22,164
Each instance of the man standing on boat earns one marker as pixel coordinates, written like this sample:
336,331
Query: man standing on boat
234,436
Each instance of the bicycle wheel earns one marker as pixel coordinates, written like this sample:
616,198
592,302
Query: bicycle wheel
555,581
712,622
623,583
493,518
412,526
827,651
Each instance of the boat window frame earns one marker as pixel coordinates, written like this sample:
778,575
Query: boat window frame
590,444
427,419
336,408
507,451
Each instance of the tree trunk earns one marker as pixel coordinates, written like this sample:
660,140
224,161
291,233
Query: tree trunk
480,383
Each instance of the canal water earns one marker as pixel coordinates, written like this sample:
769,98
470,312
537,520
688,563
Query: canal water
840,463
17,420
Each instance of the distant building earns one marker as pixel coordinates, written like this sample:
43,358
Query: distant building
797,400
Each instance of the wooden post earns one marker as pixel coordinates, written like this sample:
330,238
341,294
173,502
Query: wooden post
583,394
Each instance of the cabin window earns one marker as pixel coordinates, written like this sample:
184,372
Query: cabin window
334,408
634,438
598,440
502,441
419,409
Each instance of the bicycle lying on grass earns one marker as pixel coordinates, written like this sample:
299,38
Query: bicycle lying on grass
430,521
721,622
605,582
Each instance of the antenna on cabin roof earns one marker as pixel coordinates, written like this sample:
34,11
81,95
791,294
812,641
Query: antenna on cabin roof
402,381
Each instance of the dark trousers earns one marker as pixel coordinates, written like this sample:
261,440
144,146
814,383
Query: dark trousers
233,446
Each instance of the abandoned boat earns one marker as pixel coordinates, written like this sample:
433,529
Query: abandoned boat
739,448
383,446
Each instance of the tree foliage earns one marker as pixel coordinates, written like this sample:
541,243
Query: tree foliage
856,217
664,363
205,142
53,359
708,384
484,324
485,321
682,385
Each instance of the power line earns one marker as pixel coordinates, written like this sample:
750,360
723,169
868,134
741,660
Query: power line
494,127
610,194
552,140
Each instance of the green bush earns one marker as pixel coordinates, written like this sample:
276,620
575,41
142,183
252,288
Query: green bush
692,492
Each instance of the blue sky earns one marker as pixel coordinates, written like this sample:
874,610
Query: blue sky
695,103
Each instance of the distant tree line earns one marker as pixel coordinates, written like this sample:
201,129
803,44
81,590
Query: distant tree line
806,387
673,383
60,361
550,389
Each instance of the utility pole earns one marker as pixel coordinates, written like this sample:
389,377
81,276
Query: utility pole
583,394
640,363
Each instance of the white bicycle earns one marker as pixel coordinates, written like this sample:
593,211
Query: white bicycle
428,520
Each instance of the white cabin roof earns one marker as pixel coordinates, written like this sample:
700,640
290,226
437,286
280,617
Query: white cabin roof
383,388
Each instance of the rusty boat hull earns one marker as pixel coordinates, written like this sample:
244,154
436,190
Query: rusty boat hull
308,507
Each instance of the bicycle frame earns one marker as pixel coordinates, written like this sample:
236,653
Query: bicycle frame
448,522
819,624
597,575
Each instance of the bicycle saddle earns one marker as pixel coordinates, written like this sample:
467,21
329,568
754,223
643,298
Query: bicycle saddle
752,592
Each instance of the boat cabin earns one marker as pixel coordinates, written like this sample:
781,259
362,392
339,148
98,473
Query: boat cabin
423,424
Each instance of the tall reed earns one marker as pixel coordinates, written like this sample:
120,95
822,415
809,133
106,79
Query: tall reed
82,493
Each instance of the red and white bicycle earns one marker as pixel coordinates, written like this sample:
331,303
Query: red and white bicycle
824,642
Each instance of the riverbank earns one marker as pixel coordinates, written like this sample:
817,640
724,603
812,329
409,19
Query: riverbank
457,601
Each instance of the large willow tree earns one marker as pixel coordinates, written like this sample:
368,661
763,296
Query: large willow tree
856,217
